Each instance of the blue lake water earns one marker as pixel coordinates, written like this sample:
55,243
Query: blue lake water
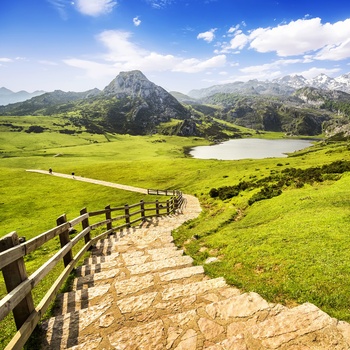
249,148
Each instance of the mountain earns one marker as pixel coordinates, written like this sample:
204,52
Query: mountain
284,86
7,96
47,103
251,87
148,98
130,103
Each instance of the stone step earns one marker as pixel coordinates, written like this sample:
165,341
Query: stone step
169,284
237,321
139,239
130,306
98,264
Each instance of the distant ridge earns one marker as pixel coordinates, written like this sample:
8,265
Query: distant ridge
7,96
284,86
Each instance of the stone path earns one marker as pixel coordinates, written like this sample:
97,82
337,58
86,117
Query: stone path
93,181
138,291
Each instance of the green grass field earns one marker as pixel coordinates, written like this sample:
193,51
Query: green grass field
291,248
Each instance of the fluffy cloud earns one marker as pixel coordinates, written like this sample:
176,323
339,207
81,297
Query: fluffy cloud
207,36
136,21
4,59
95,8
335,52
123,55
313,72
194,65
304,36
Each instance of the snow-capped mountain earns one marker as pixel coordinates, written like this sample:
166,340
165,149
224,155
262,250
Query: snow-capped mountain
322,81
284,86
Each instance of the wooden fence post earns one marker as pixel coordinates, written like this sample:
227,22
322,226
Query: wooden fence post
167,207
85,224
108,217
127,215
172,199
64,239
175,203
142,205
14,274
157,207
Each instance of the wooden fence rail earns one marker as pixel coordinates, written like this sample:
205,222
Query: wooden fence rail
19,285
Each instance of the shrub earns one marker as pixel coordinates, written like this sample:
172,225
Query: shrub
213,193
266,193
36,129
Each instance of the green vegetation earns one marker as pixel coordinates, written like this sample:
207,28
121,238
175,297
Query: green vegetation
290,248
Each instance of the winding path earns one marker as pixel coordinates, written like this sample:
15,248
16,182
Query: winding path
93,181
138,291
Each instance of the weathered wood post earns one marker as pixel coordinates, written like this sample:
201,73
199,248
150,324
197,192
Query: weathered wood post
127,215
142,208
157,207
64,239
108,217
167,206
85,224
14,274
175,203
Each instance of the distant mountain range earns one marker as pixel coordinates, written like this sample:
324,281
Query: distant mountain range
134,105
7,96
285,86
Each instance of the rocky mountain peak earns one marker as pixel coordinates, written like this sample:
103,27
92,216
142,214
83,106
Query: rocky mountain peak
133,84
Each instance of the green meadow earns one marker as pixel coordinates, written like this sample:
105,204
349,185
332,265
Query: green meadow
291,248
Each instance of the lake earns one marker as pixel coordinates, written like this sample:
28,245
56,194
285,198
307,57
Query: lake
249,148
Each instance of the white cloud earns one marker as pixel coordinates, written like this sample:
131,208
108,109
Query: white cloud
233,29
314,71
335,52
207,36
5,59
194,65
273,66
124,55
119,46
48,63
95,8
159,4
136,21
328,41
93,70
238,42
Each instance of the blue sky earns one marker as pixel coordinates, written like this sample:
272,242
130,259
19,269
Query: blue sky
178,44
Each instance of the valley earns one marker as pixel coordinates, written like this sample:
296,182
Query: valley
290,248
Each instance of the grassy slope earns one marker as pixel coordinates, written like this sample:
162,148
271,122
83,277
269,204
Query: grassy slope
291,248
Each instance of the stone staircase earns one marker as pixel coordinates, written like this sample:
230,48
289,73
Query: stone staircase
138,291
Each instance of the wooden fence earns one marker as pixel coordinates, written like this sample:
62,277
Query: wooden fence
19,286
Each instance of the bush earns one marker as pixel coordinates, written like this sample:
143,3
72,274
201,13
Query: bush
266,193
213,193
36,129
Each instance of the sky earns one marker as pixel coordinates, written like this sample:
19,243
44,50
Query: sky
78,45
